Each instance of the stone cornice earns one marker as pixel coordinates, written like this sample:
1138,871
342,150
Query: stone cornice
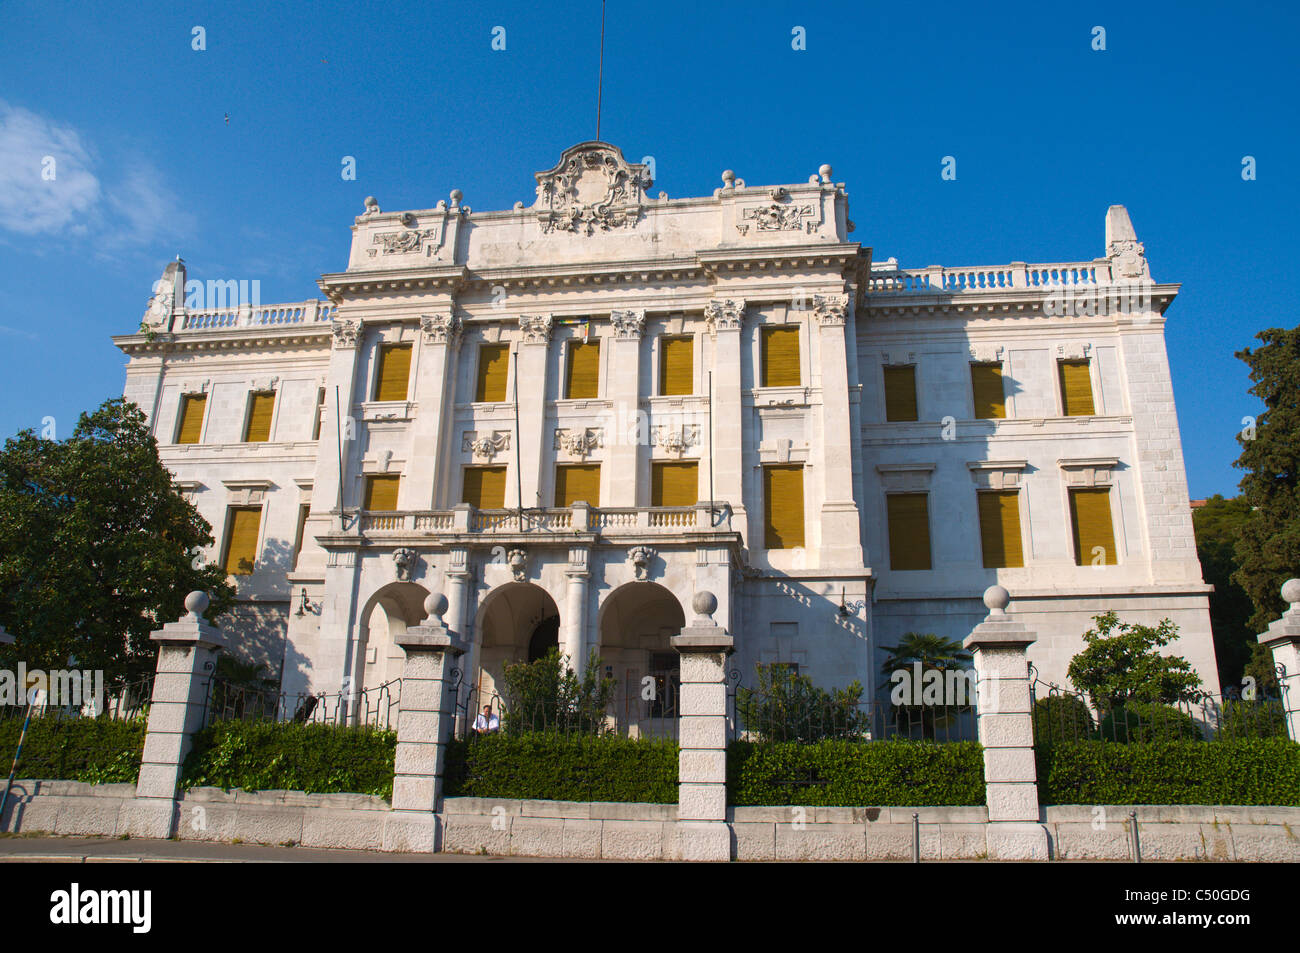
230,339
1020,302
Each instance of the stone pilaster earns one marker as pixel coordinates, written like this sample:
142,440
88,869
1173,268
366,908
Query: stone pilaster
531,362
424,727
187,658
704,645
435,375
1006,731
622,446
841,541
1283,638
726,318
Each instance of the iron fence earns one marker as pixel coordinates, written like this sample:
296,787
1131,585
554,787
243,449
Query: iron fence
122,702
229,700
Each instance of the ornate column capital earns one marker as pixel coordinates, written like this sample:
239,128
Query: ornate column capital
536,328
441,328
628,325
831,310
724,314
347,334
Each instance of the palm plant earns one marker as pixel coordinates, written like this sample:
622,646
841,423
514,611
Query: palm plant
933,653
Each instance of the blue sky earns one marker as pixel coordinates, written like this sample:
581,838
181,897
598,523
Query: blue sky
1046,132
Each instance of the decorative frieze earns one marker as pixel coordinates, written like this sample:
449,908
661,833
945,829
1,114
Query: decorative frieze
628,325
347,334
776,218
724,314
675,439
580,442
486,445
591,188
536,327
442,328
831,310
406,242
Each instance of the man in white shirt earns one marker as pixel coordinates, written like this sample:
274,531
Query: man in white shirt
487,722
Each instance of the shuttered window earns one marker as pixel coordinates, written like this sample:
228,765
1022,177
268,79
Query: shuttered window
900,393
303,510
394,372
783,507
780,357
485,488
582,373
381,492
676,366
986,386
909,531
1076,389
191,424
1094,533
674,484
577,482
260,407
493,367
1000,530
242,524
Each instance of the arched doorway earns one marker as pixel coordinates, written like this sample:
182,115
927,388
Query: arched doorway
517,622
636,623
386,615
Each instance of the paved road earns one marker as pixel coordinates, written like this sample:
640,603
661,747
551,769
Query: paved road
136,850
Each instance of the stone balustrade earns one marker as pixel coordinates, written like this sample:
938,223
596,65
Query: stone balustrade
939,279
261,316
611,521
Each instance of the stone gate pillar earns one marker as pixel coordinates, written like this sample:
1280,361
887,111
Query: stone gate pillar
1283,637
1006,731
704,645
425,718
187,658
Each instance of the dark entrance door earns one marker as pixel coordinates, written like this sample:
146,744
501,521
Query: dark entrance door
545,637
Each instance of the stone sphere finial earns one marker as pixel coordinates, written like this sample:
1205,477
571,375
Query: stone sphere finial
728,179
435,603
1291,591
197,602
825,172
704,603
456,196
996,598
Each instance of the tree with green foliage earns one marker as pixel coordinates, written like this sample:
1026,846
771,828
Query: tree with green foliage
97,547
785,706
1268,550
1119,663
1218,527
934,653
548,695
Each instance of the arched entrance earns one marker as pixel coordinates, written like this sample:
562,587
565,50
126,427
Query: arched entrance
386,615
636,622
518,622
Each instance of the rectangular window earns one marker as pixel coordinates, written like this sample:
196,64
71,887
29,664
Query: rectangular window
577,482
582,373
485,488
493,367
394,372
320,407
909,531
900,393
260,407
986,386
242,524
1000,530
1076,389
783,507
381,492
674,484
780,357
191,424
676,366
1094,532
303,510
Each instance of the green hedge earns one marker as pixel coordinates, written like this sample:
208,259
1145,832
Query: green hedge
96,750
317,759
855,773
1238,771
556,767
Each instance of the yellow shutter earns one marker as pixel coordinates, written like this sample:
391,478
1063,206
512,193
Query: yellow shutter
1000,530
573,483
485,487
1093,529
241,540
677,366
780,357
1076,389
259,418
900,393
909,531
986,385
582,378
674,484
783,507
191,426
394,372
381,492
493,367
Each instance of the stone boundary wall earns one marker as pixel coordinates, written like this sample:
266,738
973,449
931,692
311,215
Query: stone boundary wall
610,831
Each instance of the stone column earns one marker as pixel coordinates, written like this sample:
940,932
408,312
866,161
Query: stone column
1006,731
704,645
1283,637
531,363
573,620
622,443
430,434
424,727
187,657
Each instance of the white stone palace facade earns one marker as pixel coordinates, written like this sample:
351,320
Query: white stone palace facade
572,415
